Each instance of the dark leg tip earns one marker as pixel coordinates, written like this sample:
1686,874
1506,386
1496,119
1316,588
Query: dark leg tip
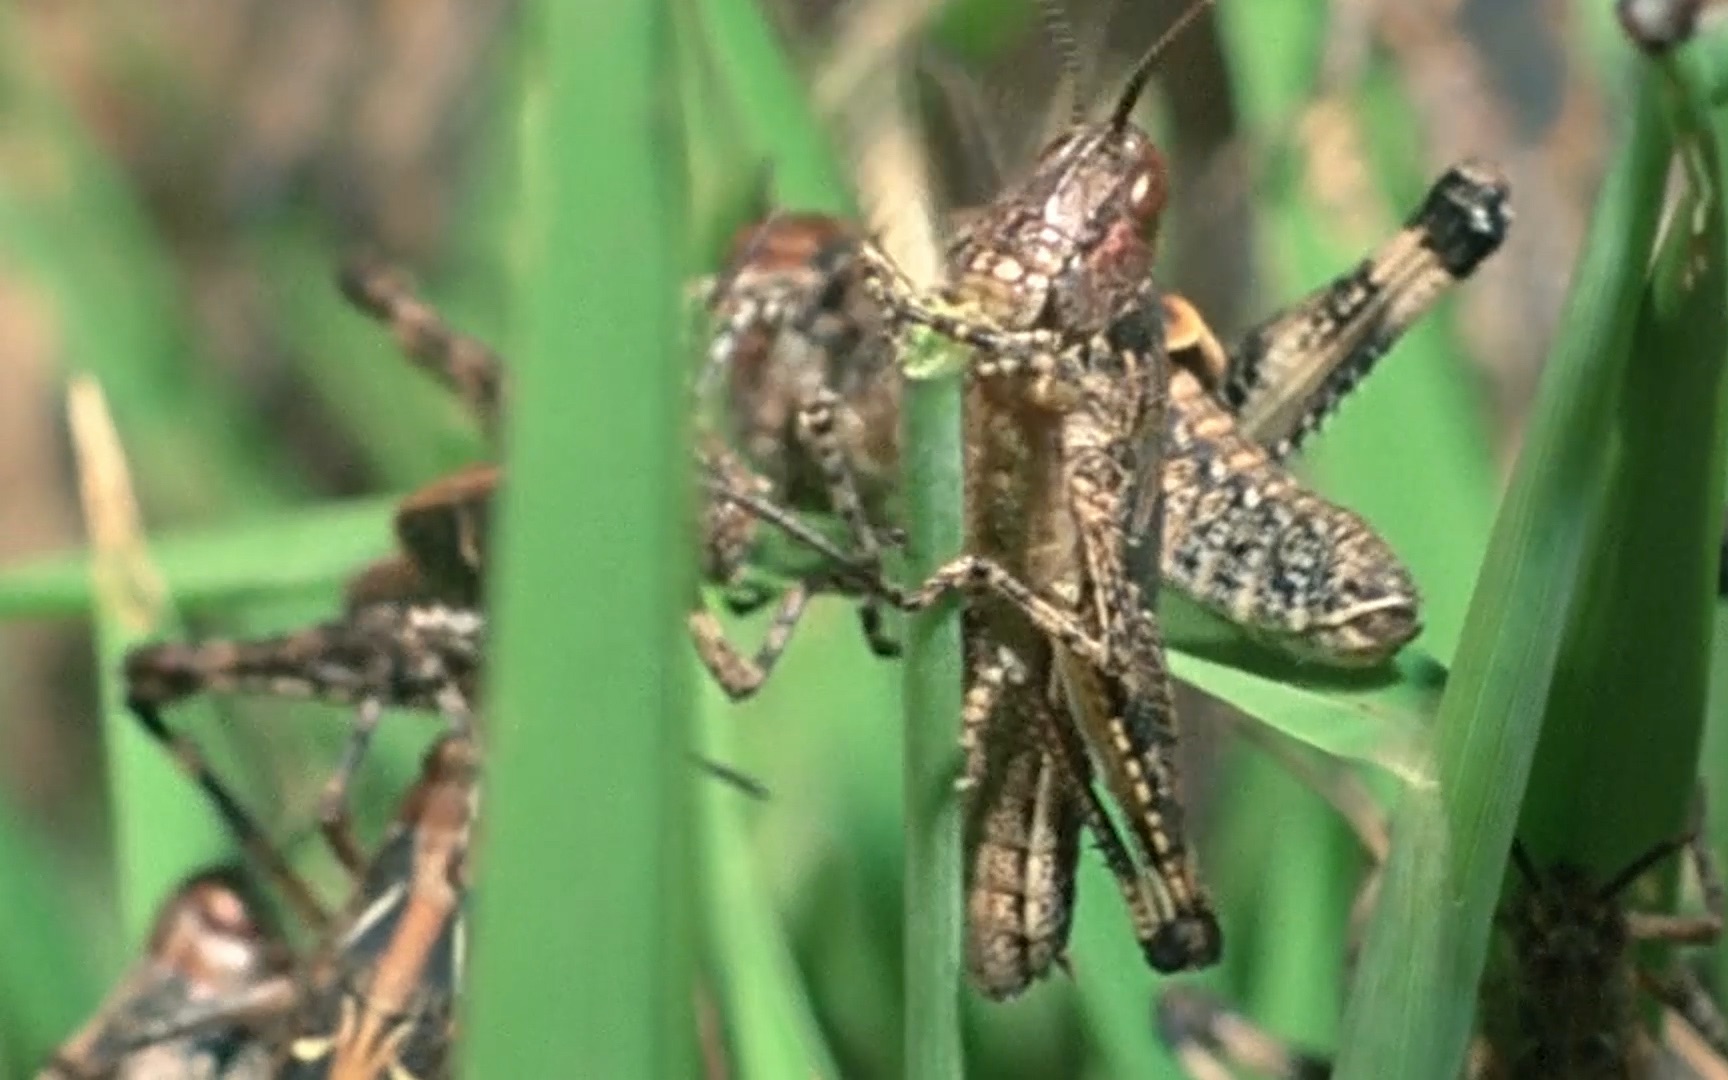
1185,943
870,616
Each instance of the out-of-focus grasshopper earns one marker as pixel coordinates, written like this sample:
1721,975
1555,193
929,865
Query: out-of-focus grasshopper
443,529
212,942
376,1000
1562,1004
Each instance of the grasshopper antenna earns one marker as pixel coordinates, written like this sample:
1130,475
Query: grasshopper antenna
1143,70
1061,34
1623,880
1525,866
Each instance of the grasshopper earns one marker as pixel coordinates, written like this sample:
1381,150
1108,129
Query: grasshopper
211,941
377,1000
1567,1005
1065,416
443,529
1242,537
1067,405
1563,1004
1234,525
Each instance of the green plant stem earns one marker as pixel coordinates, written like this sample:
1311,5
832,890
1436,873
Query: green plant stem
583,957
935,532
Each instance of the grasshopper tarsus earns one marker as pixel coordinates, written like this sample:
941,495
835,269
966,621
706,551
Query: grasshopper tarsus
1465,216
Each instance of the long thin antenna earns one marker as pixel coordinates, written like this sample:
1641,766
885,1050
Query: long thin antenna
1061,34
1143,71
1626,877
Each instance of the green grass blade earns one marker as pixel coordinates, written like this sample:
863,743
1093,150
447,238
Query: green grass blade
162,826
1382,721
769,1024
772,105
935,533
584,903
1411,1010
1620,743
46,984
312,548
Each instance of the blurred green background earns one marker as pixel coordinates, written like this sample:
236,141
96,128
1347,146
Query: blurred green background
179,177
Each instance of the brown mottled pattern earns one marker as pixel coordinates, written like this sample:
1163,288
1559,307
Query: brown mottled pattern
1050,467
1022,829
1246,539
795,321
1292,371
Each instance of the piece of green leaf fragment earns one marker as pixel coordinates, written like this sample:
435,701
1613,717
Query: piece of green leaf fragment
930,355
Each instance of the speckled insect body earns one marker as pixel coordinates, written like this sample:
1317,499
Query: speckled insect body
1565,1000
1064,418
210,942
1242,536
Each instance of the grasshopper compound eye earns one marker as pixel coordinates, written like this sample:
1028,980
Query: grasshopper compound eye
1148,184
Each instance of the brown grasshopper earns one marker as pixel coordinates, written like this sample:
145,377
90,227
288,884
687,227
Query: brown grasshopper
1065,414
1563,1004
377,1000
1243,536
800,273
1566,1002
443,529
1227,501
211,942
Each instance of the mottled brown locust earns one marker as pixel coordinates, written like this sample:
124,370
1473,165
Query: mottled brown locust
210,942
798,332
1241,536
1065,413
1049,286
